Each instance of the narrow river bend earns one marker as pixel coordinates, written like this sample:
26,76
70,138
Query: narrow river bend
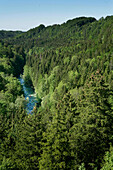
30,96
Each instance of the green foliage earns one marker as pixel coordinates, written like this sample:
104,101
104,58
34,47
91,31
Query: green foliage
94,124
6,164
28,145
108,160
70,67
12,106
82,167
26,76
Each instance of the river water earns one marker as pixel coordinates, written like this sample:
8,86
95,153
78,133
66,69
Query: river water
30,96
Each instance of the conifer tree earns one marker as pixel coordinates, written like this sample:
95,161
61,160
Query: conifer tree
90,136
28,148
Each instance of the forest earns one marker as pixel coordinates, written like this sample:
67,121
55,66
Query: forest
70,68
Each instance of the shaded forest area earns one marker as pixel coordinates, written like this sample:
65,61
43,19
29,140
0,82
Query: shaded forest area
70,67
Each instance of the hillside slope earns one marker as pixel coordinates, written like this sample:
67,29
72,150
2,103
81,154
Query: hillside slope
71,68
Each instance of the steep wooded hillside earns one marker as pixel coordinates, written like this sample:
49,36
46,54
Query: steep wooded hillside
71,68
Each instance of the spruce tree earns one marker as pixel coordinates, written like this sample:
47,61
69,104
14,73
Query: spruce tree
91,134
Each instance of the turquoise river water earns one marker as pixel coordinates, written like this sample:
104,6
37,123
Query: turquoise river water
30,96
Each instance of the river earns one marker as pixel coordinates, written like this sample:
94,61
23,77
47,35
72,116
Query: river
30,96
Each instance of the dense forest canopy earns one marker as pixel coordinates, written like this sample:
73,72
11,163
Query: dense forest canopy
70,67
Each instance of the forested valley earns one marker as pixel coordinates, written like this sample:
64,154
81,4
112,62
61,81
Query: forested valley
70,68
